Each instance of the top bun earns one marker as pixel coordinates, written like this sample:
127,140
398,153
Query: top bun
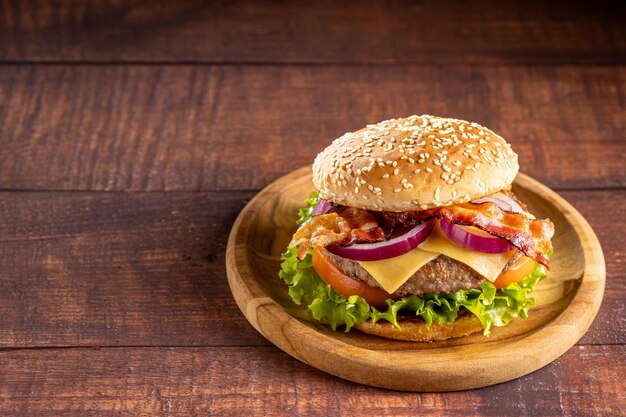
415,163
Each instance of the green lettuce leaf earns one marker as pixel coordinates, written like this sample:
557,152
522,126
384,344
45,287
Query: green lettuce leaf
305,213
492,306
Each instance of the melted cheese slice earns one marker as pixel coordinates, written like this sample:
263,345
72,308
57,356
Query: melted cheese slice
489,265
392,273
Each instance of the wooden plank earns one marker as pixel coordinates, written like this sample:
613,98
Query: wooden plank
237,128
596,207
120,269
587,380
325,32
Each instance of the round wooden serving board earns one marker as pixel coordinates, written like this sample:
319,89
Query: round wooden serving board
567,302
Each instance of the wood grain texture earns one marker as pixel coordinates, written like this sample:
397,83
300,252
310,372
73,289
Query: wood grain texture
237,128
566,305
586,381
324,32
595,206
134,270
117,269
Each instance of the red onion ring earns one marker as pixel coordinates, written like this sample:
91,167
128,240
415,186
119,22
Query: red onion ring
515,207
502,205
387,249
503,202
322,207
476,241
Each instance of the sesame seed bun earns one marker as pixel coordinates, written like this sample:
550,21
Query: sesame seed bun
414,163
414,329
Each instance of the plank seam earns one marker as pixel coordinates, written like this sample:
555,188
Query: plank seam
530,63
236,190
78,347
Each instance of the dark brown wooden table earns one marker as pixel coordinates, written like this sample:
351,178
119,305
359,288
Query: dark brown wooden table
133,132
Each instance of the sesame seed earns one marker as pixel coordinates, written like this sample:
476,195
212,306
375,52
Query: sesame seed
395,171
397,190
429,170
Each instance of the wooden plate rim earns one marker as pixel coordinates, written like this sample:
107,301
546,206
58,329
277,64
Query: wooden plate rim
419,369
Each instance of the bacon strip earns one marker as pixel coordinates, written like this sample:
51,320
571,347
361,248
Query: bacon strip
531,236
350,225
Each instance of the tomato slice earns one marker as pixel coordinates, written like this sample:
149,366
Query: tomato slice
523,267
345,285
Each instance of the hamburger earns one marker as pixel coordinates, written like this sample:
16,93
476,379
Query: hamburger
414,233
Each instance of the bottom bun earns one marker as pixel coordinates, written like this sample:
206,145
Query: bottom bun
414,329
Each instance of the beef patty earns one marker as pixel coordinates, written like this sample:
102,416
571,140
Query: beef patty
442,274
